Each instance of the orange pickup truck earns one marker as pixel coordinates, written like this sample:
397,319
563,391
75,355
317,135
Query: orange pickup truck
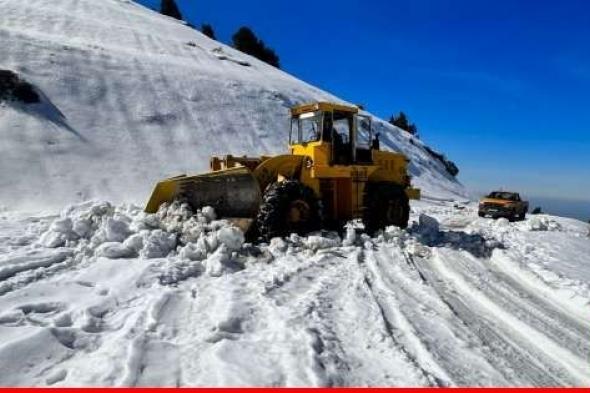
503,204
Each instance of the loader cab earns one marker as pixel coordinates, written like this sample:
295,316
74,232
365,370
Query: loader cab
338,130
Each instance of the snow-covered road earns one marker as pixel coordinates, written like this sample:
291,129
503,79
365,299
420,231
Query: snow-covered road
105,295
472,302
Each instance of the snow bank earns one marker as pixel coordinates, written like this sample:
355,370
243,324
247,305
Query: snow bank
542,223
179,235
100,229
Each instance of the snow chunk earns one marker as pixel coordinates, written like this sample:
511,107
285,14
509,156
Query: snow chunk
428,224
144,222
63,226
59,232
158,244
192,252
176,271
392,232
209,213
216,263
116,230
53,239
173,216
277,246
192,230
350,237
115,250
231,237
319,242
82,226
540,223
134,242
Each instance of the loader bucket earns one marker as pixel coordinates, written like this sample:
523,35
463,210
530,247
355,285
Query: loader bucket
234,193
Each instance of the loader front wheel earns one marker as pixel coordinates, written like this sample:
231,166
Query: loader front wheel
288,207
385,204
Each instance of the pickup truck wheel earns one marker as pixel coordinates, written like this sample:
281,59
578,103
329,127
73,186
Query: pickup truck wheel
481,214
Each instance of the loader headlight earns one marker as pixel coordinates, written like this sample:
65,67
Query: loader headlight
308,162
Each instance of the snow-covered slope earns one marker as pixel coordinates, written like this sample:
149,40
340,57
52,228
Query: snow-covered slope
131,96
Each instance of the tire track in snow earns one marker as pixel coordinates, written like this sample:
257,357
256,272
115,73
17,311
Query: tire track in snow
511,265
537,311
427,328
301,300
32,260
389,309
523,354
25,264
351,335
40,268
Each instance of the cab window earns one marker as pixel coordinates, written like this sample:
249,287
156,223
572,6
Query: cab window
305,128
364,137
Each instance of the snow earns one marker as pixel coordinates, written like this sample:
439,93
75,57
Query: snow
455,300
100,293
130,97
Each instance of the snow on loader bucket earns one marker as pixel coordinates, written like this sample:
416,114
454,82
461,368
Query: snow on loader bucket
233,188
234,194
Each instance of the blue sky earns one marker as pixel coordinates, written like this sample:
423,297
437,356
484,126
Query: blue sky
502,87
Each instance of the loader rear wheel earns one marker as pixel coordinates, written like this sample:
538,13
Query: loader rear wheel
385,204
288,207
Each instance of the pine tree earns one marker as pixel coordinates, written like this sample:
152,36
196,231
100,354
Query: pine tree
401,121
246,41
269,56
207,29
170,8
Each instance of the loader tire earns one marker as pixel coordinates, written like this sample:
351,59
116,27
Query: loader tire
288,207
385,204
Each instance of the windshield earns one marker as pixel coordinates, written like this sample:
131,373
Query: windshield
503,195
306,127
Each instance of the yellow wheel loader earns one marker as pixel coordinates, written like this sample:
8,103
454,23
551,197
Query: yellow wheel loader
333,172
